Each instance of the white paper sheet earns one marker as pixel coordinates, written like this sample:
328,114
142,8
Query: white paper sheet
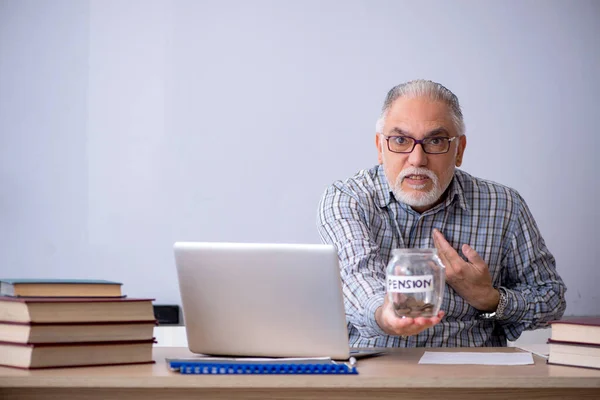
434,357
539,349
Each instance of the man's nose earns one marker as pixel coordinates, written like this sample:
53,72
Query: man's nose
418,157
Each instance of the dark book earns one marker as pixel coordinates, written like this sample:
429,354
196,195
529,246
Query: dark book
33,356
576,329
574,354
32,333
50,309
59,288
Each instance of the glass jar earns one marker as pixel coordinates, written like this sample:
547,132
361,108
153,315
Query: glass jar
415,282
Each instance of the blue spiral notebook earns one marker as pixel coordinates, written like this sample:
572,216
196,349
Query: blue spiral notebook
262,366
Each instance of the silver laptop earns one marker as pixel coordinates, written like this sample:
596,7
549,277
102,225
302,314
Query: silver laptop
262,300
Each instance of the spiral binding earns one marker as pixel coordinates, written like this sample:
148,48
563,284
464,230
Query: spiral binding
191,368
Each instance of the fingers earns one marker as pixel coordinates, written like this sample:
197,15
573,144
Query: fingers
402,323
439,241
412,326
431,320
472,256
445,249
442,256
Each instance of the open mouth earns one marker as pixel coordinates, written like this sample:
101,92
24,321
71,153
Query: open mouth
416,180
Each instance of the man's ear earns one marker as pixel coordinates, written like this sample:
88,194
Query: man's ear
462,145
378,144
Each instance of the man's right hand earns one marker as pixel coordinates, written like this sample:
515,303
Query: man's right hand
396,326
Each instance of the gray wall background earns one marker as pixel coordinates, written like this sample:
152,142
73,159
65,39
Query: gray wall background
128,125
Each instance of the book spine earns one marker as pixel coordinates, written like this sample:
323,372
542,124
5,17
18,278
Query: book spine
571,365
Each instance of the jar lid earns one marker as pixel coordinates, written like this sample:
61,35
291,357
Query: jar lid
427,251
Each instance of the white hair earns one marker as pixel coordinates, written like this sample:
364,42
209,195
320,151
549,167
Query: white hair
423,88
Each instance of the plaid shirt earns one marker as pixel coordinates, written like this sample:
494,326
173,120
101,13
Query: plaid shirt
362,218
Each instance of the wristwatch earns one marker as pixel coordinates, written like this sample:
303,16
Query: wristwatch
499,313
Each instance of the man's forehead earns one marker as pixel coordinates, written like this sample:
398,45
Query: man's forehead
419,113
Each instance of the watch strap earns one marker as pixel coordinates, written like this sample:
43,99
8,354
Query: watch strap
500,309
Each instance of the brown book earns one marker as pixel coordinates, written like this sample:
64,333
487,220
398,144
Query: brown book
32,356
20,332
574,354
60,288
576,329
49,309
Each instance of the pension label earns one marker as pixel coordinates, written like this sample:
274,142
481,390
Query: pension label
410,284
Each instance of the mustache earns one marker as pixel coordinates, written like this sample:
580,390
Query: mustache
417,171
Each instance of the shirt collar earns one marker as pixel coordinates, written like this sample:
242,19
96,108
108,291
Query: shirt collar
455,190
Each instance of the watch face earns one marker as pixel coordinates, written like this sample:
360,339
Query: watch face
487,316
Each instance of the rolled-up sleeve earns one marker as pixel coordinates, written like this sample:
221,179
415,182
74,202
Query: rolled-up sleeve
341,221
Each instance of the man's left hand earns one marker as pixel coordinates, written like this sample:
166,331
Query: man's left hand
471,280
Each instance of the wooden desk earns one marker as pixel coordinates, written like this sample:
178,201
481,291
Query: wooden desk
396,376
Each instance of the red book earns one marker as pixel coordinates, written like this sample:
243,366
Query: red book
34,356
576,329
51,309
574,354
67,332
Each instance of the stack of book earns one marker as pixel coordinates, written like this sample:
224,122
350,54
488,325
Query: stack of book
71,323
575,341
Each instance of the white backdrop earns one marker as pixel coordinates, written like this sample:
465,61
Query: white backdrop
128,125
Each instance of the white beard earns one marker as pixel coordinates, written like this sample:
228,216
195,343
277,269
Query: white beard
416,198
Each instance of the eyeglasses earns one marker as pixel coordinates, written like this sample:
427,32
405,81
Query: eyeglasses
431,145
